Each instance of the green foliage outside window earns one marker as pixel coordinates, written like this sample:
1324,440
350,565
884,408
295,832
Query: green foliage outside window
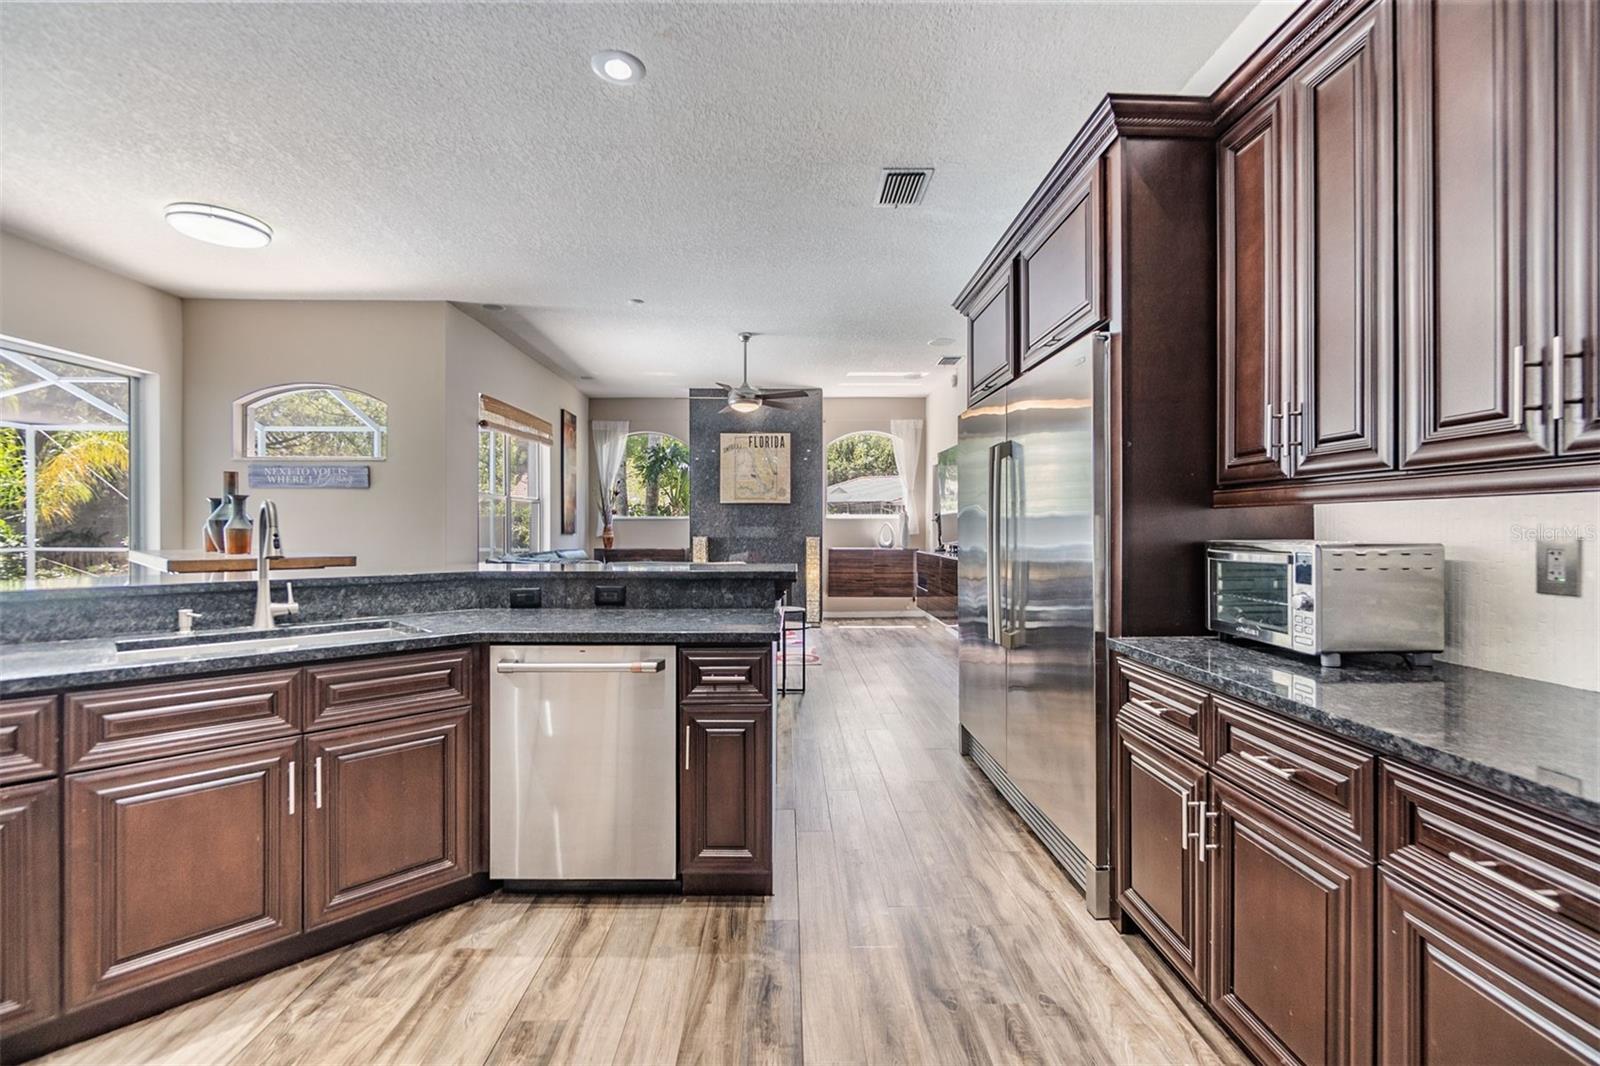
654,479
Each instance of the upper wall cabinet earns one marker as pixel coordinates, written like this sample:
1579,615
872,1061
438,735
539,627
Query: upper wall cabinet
1578,223
1061,271
991,337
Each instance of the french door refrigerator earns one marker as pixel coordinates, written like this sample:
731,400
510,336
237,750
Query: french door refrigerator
1032,608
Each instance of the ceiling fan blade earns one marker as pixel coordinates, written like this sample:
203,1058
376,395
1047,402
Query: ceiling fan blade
783,394
776,405
724,386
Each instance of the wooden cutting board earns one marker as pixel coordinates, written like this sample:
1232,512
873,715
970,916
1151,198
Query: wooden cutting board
195,561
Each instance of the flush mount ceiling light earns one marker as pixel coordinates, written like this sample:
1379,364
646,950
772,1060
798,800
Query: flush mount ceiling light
619,68
218,225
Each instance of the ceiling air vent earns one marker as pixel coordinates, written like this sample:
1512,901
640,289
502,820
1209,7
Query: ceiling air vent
903,186
949,360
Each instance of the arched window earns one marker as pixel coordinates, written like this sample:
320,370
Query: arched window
862,476
310,421
654,479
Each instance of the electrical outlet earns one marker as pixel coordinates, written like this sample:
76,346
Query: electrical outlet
527,597
1559,566
610,595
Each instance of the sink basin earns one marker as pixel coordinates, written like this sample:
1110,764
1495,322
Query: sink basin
280,638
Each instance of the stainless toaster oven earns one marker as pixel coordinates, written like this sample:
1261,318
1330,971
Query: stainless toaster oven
1327,598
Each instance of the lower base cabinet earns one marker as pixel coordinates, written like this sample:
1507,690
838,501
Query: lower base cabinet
177,863
1291,935
724,797
387,815
1455,992
30,903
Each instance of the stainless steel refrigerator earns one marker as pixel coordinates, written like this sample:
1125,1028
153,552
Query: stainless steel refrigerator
1033,602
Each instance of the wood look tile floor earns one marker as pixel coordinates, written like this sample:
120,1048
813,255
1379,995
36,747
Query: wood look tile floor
915,920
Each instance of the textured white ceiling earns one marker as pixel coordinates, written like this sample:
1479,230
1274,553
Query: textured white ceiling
466,152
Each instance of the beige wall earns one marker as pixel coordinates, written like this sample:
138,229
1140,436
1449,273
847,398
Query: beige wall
644,414
394,351
851,414
54,300
1494,620
479,361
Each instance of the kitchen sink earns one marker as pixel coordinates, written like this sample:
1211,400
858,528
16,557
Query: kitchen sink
279,638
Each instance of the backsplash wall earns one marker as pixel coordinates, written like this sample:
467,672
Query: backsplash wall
1494,620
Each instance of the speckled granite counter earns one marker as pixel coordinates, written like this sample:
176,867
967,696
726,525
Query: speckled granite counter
44,667
1530,740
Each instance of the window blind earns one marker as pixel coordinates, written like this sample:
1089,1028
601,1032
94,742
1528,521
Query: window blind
506,418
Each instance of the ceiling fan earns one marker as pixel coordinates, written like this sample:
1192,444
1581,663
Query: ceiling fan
745,397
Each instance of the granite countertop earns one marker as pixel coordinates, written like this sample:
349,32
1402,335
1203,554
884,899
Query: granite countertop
44,667
1530,740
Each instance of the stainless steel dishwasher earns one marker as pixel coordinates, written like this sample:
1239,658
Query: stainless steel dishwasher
583,761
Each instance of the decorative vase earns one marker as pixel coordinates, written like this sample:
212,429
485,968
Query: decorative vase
236,535
607,536
216,521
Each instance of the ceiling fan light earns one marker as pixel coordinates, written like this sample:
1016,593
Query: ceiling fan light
744,407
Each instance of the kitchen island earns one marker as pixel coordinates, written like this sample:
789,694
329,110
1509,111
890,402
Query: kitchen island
182,812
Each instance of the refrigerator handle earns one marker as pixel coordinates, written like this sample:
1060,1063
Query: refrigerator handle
1101,367
992,551
1016,582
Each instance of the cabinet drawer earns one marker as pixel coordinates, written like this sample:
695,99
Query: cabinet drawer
725,675
1529,875
107,727
1173,711
370,689
29,738
1327,784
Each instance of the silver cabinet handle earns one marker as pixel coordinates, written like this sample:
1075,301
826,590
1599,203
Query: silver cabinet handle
1557,371
1151,708
646,666
291,786
1548,898
1295,443
1192,834
318,768
685,747
1208,830
723,679
1266,763
1274,437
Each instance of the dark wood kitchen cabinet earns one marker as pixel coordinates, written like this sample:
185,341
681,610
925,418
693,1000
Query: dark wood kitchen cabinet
725,799
1159,848
991,336
1253,164
30,904
1061,271
1578,225
1273,884
386,813
1454,991
1476,196
179,862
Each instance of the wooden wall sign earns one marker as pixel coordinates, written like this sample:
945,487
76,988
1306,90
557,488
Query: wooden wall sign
309,476
755,468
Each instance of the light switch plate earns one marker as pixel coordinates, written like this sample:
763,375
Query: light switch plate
1560,567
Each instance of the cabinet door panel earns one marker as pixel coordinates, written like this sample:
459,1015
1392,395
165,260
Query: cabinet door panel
1252,285
1578,225
29,738
177,863
387,812
1061,271
1273,884
1159,867
30,904
725,814
1343,99
1473,243
991,337
1454,992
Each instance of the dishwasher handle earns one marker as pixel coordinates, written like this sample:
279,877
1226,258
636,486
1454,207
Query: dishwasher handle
645,666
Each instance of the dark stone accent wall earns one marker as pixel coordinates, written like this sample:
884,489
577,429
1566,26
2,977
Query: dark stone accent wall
762,533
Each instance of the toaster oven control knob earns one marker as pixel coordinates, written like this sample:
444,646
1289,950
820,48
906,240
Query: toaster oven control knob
1303,602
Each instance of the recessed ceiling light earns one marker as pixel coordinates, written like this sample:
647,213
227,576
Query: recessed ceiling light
635,301
620,68
218,225
493,307
941,342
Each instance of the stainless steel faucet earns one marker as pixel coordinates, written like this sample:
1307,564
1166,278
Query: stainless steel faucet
269,546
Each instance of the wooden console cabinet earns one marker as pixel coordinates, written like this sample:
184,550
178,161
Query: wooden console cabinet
885,572
935,585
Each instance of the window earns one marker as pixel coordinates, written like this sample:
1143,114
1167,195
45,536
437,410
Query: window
65,472
654,479
862,476
513,460
307,421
